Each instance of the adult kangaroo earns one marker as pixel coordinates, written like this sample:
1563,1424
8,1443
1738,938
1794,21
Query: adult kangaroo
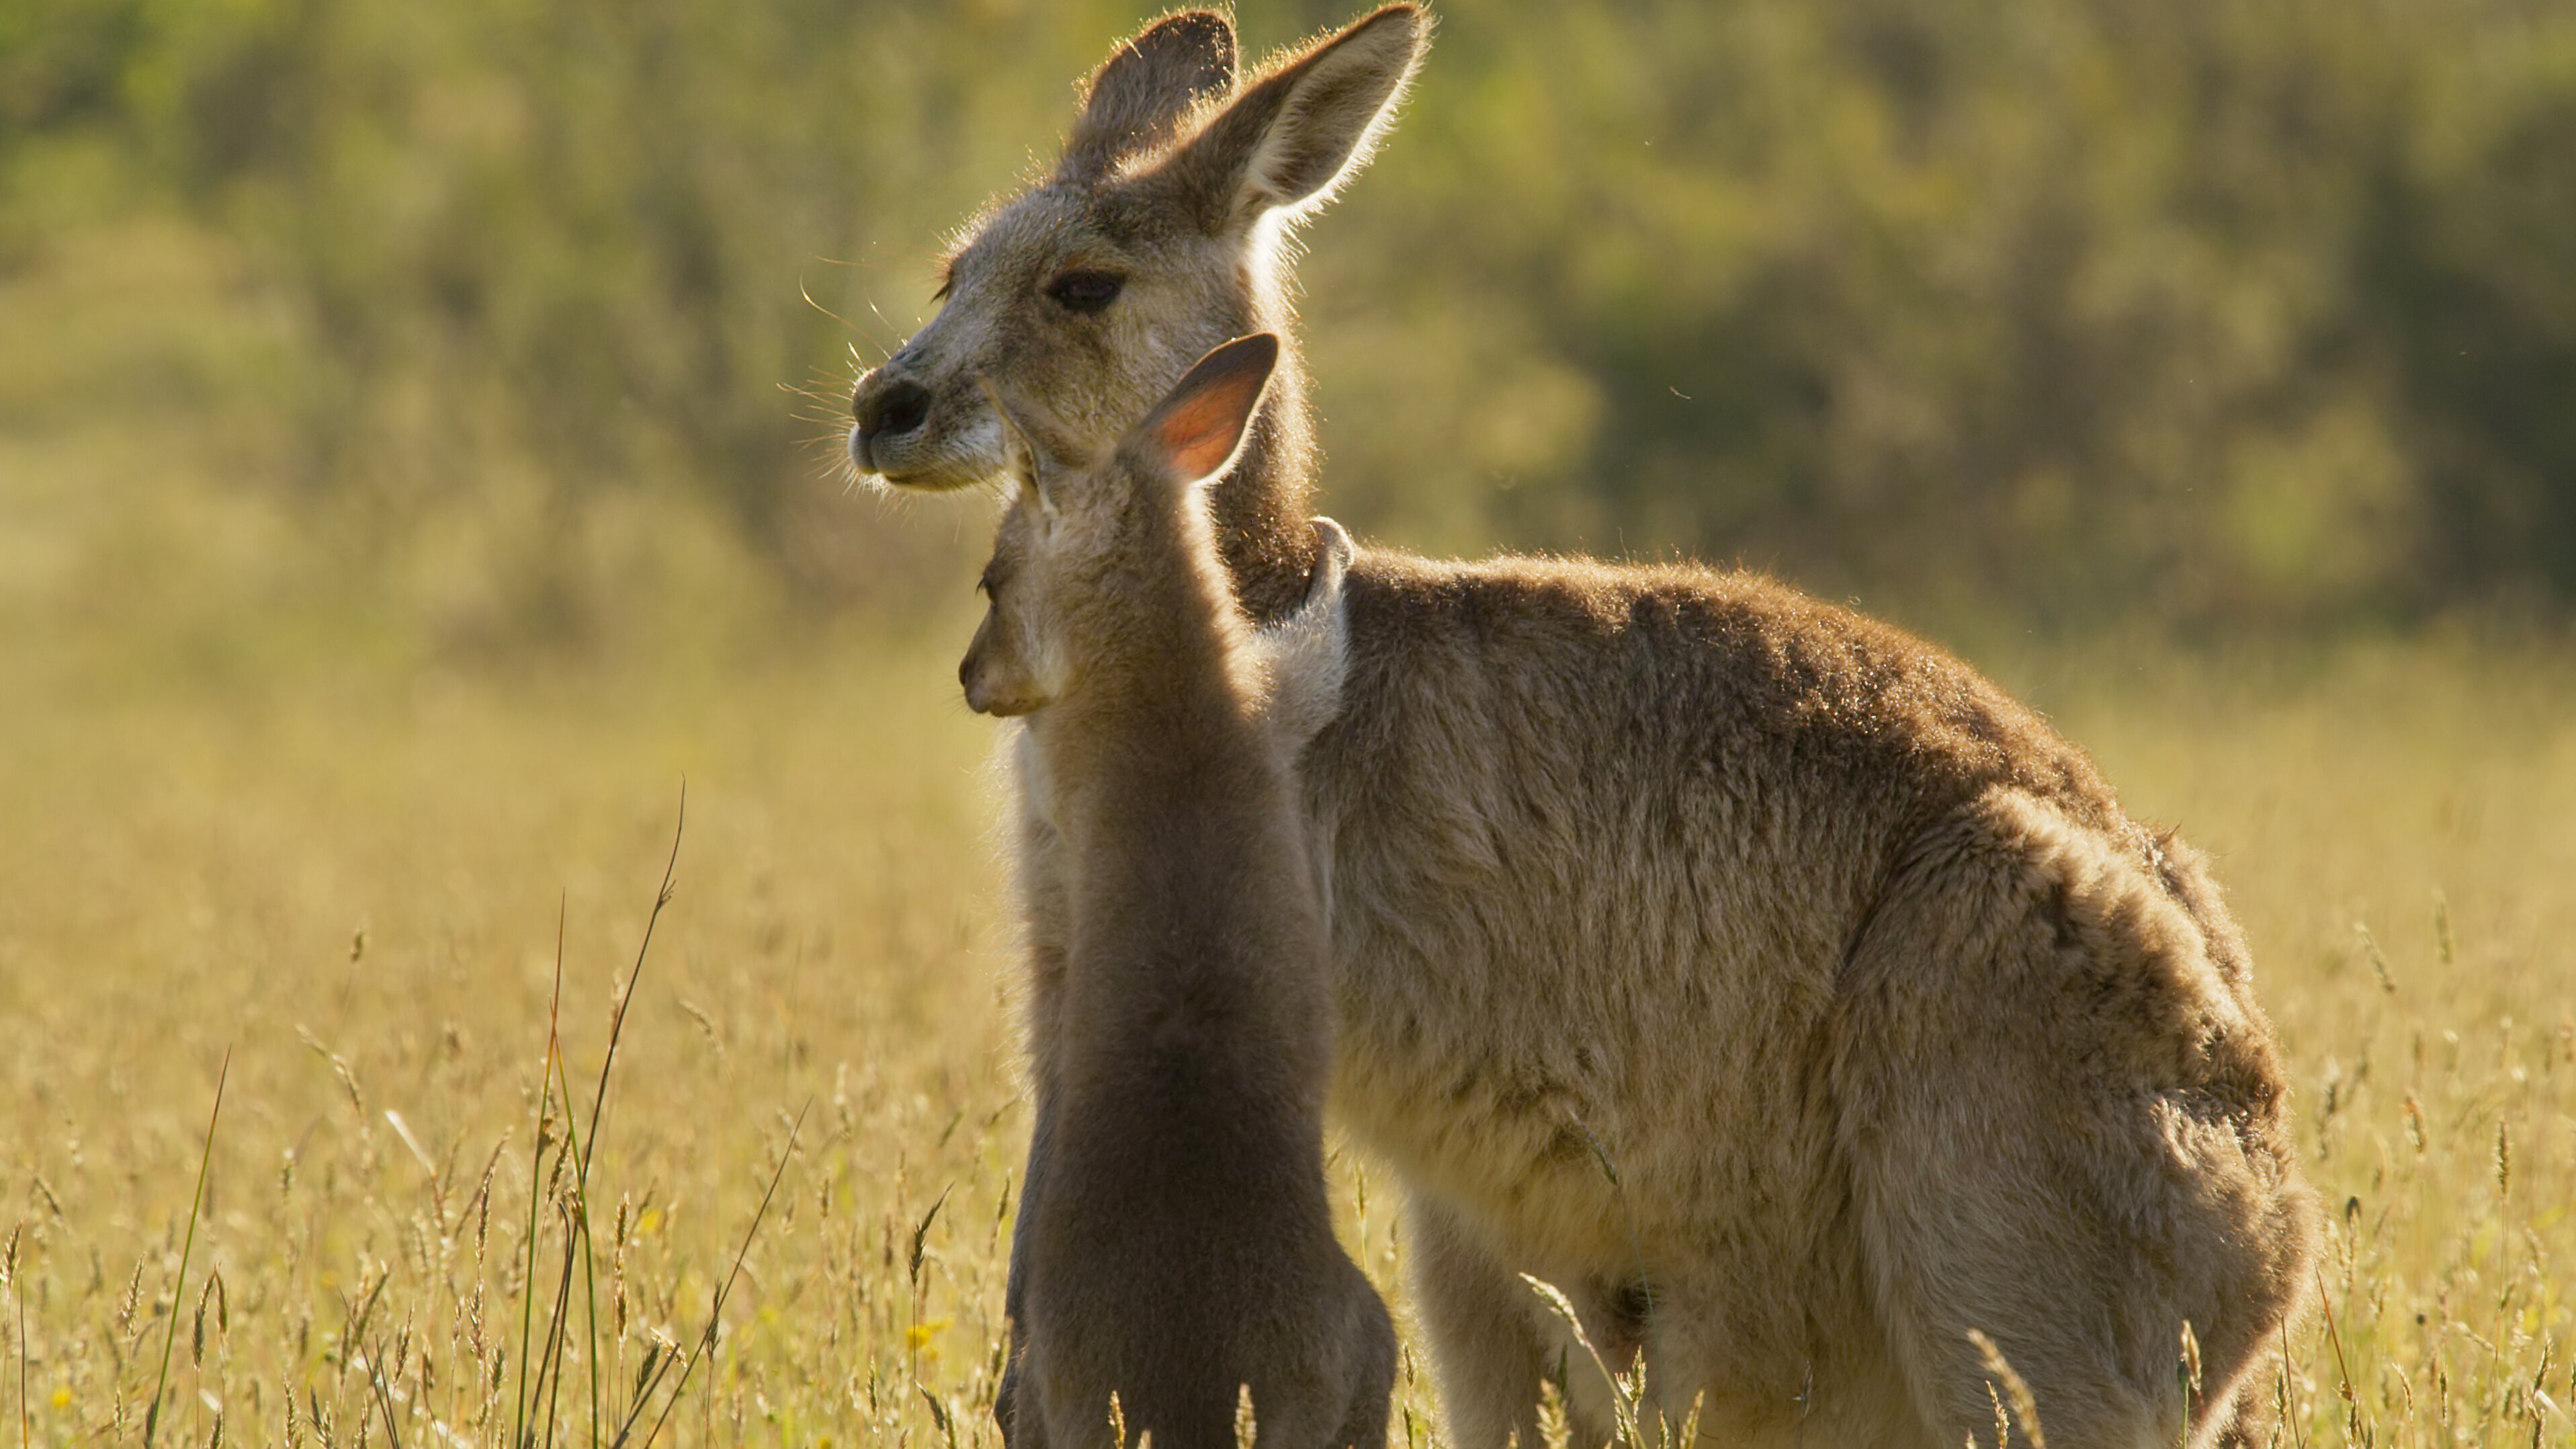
1755,973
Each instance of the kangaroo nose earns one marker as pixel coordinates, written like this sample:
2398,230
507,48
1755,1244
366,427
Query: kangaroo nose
890,410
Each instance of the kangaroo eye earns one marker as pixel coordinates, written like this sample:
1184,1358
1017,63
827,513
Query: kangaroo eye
1085,292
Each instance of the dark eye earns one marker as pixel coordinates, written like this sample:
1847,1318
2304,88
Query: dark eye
1085,292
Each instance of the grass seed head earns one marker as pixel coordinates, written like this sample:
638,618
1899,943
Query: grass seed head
2025,1405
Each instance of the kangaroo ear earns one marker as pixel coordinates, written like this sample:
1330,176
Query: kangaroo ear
1196,431
1292,138
1140,94
1020,456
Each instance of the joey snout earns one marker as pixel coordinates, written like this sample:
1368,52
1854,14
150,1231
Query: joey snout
996,682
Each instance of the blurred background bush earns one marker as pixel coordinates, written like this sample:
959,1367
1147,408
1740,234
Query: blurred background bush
333,329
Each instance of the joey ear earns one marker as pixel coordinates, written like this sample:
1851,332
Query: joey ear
1333,554
1140,94
1292,137
1195,432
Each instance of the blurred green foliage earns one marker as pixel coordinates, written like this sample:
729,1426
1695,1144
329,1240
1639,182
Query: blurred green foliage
2228,315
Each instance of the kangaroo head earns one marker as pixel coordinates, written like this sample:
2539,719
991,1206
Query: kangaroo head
1157,236
1096,559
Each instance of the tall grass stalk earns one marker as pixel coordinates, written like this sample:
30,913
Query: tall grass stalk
715,1310
537,1187
179,1289
586,1144
18,1301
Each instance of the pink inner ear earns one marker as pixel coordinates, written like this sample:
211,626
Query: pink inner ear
1199,435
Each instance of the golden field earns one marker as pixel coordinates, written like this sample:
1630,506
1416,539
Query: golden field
354,888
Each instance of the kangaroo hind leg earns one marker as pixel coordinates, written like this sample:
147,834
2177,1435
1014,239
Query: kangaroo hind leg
2077,1174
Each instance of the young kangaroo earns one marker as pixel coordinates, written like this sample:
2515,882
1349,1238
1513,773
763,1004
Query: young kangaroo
1182,1248
1757,974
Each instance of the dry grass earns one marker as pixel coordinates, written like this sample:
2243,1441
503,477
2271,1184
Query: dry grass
356,891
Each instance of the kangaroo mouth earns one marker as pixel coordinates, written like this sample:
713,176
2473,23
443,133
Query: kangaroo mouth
927,482
932,459
914,470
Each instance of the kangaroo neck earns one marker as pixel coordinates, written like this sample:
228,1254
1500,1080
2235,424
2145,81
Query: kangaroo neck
1155,695
1260,509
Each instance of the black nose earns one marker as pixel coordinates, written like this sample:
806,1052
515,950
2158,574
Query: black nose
890,409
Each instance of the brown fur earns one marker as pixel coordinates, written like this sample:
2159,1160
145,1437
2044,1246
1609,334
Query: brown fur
1181,1245
1869,1021
1754,972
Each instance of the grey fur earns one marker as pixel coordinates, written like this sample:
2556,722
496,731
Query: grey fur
1179,1249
